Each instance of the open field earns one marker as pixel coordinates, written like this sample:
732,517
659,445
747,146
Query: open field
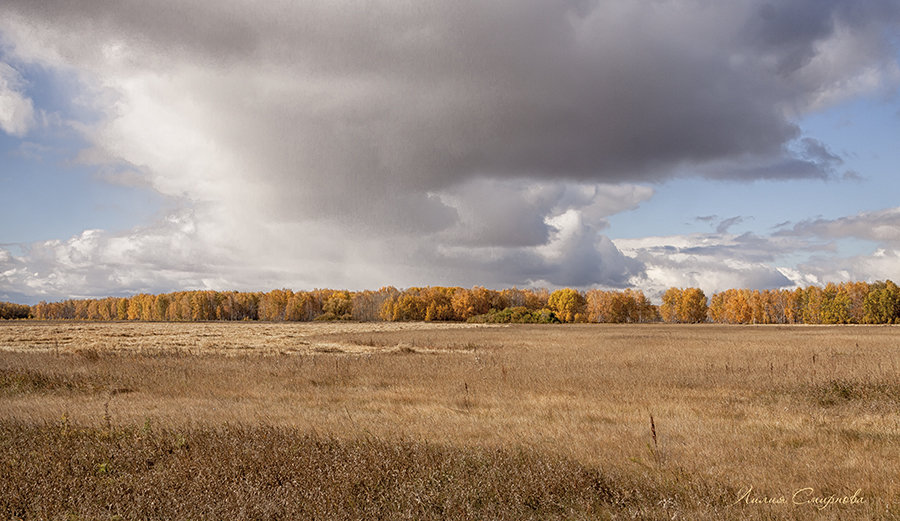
437,421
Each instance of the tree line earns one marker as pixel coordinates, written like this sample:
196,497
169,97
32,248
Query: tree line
8,310
846,303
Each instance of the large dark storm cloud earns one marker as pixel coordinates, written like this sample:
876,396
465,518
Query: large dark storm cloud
429,93
377,118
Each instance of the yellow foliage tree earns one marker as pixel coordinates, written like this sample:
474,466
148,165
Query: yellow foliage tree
568,304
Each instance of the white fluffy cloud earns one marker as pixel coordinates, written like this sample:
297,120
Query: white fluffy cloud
721,260
712,262
882,264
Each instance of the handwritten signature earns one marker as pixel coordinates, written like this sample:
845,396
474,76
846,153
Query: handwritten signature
800,496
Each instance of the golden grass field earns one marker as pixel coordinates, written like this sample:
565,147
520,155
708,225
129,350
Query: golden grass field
448,421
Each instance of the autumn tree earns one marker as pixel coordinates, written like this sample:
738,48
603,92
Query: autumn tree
439,303
604,306
365,305
645,311
882,304
668,310
568,304
302,307
716,310
466,305
779,303
409,307
619,306
338,306
693,306
160,307
684,306
106,309
856,294
139,307
273,305
526,298
835,305
10,311
481,299
795,304
737,307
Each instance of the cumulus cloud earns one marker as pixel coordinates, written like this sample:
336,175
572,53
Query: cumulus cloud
16,109
509,213
97,263
712,262
722,260
883,264
488,138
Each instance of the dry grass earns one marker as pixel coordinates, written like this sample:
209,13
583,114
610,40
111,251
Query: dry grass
505,411
239,472
232,338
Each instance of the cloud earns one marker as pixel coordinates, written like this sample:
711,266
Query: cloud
719,261
725,224
322,143
804,157
16,109
580,257
451,91
799,255
510,213
96,263
576,255
883,264
882,226
207,247
852,175
721,225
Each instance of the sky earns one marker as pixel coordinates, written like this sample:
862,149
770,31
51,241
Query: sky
164,146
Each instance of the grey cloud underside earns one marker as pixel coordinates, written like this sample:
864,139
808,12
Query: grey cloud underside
881,226
428,95
747,247
788,32
592,260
